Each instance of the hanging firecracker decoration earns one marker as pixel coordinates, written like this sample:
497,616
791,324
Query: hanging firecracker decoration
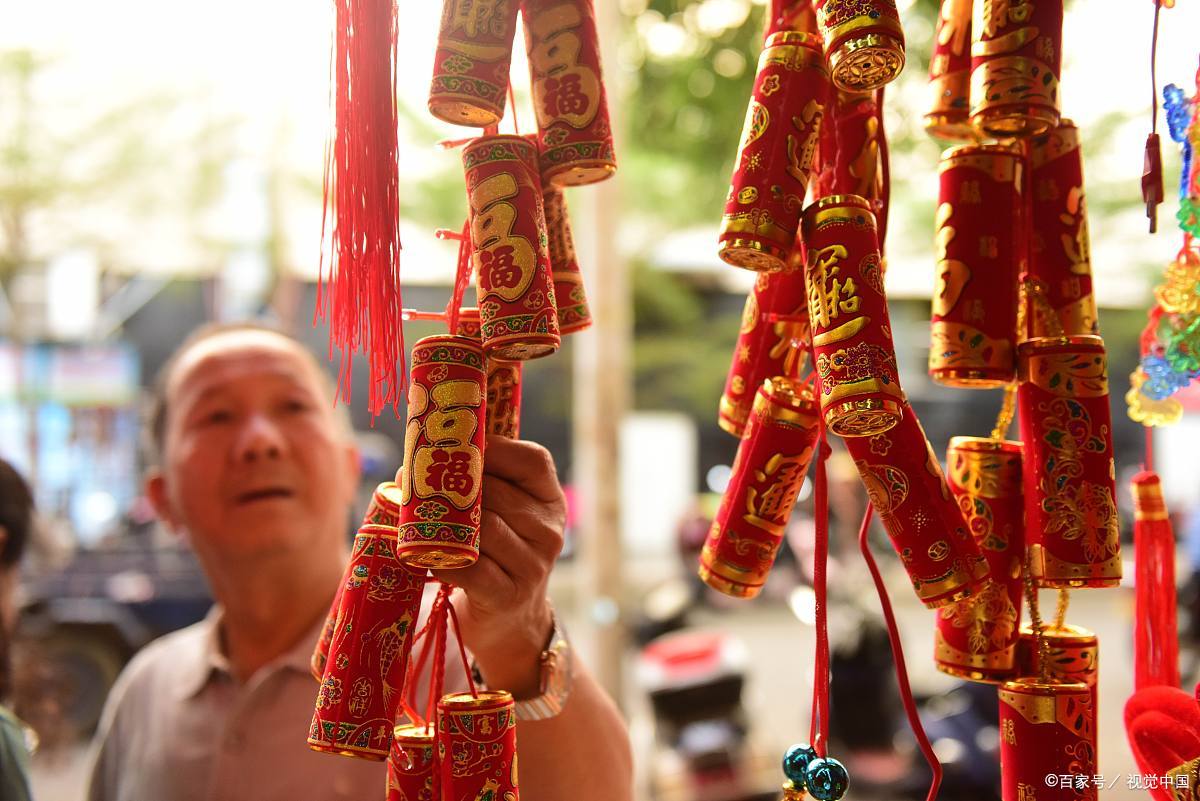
1060,251
1070,494
1072,654
470,66
919,512
569,296
974,322
950,74
361,689
502,412
863,42
775,157
771,461
508,234
442,477
1016,60
850,149
855,359
410,764
477,746
772,344
1047,728
976,638
791,15
568,92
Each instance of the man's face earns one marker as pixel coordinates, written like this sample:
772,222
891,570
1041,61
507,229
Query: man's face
255,463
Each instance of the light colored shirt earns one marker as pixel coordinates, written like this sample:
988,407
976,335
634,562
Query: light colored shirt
178,726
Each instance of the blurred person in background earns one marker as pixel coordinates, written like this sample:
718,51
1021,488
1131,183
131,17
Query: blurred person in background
254,466
16,522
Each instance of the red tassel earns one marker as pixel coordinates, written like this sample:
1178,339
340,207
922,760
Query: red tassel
362,187
1156,638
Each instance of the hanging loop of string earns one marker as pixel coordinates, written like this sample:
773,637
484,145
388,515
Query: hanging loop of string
462,277
462,650
818,734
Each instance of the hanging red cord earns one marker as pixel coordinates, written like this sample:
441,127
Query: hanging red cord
818,734
462,277
910,706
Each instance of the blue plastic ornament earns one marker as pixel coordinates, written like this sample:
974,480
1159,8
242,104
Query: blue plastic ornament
795,762
1178,111
1162,380
826,778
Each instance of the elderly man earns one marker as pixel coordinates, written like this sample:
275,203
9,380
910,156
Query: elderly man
256,469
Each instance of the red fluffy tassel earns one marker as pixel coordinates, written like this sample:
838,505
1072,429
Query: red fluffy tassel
1156,638
362,187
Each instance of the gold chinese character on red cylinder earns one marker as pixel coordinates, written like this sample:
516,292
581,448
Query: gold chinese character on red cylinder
470,65
383,510
477,746
775,156
410,764
859,388
504,398
568,92
1070,489
976,638
863,42
508,234
368,654
569,297
1060,257
442,477
950,73
771,461
974,321
850,146
1047,729
1072,654
1015,63
765,348
920,514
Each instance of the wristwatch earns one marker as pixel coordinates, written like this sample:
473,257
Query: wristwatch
557,668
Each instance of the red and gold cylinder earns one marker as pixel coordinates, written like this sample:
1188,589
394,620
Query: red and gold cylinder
519,319
765,348
976,638
569,296
850,147
1047,729
477,746
1070,490
383,510
775,157
568,92
502,414
442,477
1072,654
410,764
1060,255
974,321
364,676
863,42
1016,58
920,514
857,377
793,15
950,74
772,458
470,64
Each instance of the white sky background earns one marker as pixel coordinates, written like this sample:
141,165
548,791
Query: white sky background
266,63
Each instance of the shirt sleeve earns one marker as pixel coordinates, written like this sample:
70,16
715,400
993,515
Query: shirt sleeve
14,761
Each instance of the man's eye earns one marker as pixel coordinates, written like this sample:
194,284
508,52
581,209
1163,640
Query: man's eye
217,416
296,405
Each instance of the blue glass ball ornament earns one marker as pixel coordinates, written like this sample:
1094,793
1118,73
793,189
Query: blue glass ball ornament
795,762
826,779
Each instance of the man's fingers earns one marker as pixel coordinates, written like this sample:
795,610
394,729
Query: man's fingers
539,523
486,583
523,463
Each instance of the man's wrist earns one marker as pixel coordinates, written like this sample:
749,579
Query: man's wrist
513,662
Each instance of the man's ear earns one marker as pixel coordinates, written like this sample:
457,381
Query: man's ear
156,492
353,468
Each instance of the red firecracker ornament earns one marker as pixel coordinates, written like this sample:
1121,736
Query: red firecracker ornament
974,321
477,746
950,74
503,405
791,15
470,65
851,140
410,764
1015,65
442,477
1072,654
569,297
863,42
1047,729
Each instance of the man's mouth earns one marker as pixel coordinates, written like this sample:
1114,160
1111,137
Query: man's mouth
265,494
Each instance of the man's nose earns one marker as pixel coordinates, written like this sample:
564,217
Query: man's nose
260,439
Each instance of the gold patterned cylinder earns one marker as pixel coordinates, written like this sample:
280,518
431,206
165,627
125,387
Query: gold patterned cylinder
775,157
1046,729
364,677
950,74
383,510
410,764
470,65
519,319
973,329
1060,254
569,297
863,42
502,415
792,15
1015,63
857,378
765,348
920,514
1073,654
1070,489
477,746
442,476
769,469
976,638
568,92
